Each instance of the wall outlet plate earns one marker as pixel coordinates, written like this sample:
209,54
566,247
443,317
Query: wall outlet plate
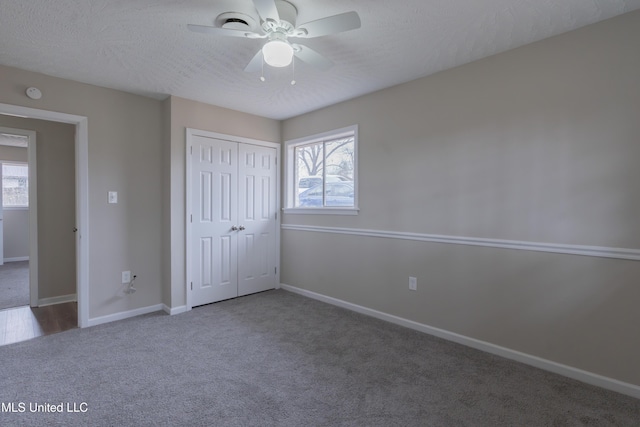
126,276
413,283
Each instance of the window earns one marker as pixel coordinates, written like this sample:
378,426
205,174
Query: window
321,174
15,185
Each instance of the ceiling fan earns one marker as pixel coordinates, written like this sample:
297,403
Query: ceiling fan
278,25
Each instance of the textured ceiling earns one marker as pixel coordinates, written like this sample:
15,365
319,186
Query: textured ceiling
144,47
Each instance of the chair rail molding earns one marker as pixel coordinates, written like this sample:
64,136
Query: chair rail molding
594,251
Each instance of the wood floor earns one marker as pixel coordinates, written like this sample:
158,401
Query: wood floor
24,323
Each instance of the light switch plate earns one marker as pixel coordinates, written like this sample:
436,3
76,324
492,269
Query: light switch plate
113,197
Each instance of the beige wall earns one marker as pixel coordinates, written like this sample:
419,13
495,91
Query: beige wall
55,160
185,114
15,234
56,208
537,144
15,223
125,142
13,154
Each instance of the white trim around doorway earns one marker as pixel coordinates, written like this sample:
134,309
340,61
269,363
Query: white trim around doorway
33,209
82,195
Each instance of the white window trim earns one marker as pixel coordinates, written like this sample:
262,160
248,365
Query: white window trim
289,163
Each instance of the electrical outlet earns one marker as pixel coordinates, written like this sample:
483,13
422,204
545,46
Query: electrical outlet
126,276
413,284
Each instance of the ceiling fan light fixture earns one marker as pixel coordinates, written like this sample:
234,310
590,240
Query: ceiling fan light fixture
277,53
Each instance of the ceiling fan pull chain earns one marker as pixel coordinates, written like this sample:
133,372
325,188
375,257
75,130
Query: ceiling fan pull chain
293,69
262,79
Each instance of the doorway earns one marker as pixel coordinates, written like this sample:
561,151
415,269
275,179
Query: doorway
81,199
15,217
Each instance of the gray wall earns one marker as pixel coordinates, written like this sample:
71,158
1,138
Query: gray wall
125,155
15,236
55,157
13,154
55,160
538,144
182,114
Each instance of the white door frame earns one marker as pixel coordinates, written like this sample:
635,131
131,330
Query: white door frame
190,133
33,210
2,216
82,196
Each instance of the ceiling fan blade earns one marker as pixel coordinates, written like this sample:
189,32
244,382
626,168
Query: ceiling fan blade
311,57
223,31
255,64
267,9
329,25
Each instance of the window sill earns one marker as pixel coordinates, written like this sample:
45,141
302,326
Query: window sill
15,208
322,211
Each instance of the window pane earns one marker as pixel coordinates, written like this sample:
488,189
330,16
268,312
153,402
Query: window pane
339,188
308,168
321,173
15,185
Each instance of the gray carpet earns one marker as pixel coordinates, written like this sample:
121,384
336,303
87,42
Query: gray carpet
14,284
280,359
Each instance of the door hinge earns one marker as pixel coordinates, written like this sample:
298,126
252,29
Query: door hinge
275,270
191,217
191,148
276,215
191,285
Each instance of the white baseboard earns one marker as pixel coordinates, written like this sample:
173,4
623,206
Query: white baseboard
547,365
124,315
175,310
15,259
57,300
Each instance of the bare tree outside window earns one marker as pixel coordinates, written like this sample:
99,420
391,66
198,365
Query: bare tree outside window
340,158
319,167
310,159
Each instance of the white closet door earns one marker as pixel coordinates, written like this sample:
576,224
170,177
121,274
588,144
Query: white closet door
257,219
215,211
233,241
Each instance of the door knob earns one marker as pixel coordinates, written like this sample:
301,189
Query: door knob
234,228
241,228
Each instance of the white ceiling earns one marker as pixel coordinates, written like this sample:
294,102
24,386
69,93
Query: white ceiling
144,47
